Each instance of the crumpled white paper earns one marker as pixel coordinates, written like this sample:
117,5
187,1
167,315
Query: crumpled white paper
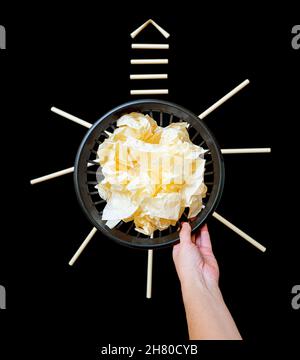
150,173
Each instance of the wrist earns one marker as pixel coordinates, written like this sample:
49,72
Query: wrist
201,289
207,314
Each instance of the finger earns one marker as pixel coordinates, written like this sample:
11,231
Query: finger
175,250
198,238
185,233
193,236
205,242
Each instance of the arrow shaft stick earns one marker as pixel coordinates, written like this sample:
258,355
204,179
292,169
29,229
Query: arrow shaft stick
223,99
54,175
149,274
246,151
149,92
147,76
83,246
148,61
239,231
150,46
71,117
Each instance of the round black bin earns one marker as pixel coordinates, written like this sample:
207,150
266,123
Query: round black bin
85,176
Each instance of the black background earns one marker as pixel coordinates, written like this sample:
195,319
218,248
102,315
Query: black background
79,62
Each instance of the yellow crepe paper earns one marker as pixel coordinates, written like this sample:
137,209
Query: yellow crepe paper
150,173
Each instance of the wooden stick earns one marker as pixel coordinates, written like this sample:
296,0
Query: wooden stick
150,21
54,175
110,223
147,76
149,91
148,61
150,46
239,232
68,170
243,151
223,99
149,274
246,151
71,117
140,28
160,29
83,246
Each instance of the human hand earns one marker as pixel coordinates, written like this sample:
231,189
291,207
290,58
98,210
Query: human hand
194,259
207,314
